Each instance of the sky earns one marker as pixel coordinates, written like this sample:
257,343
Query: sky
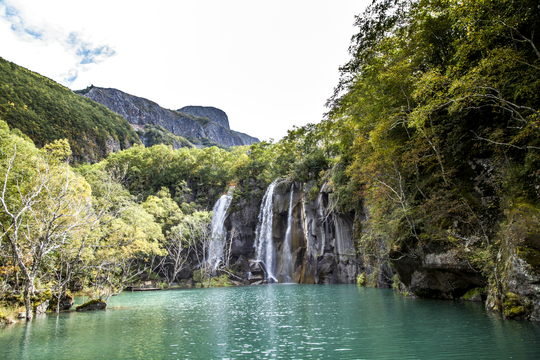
268,64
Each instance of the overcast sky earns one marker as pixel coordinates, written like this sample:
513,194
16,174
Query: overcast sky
268,64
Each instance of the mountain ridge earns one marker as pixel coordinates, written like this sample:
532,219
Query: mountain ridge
140,112
45,111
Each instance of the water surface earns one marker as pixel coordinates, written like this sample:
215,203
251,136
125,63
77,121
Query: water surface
274,322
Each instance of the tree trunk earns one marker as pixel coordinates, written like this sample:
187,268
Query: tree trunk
27,301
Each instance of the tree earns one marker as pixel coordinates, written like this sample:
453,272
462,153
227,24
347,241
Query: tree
190,238
43,205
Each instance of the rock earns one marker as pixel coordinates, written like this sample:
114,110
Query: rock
255,267
66,302
213,114
439,274
91,305
257,282
42,308
317,235
236,283
326,265
22,315
242,264
255,278
520,279
212,123
8,321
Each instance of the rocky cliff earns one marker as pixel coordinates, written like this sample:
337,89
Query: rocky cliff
322,242
214,114
140,112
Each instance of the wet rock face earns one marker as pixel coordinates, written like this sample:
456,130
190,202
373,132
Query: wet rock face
437,274
519,266
322,245
240,225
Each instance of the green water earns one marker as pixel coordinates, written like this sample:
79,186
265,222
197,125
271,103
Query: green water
274,322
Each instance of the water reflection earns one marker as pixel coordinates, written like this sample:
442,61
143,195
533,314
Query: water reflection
275,321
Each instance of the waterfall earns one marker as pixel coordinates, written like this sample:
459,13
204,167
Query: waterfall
217,242
286,254
264,244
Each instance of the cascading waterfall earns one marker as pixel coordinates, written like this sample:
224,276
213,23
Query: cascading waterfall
264,244
286,254
215,248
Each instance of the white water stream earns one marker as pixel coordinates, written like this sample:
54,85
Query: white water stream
286,254
264,244
219,212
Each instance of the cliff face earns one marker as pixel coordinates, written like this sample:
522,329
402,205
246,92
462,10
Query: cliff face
214,114
322,241
141,112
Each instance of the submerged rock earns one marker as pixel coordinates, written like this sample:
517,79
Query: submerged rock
66,302
96,304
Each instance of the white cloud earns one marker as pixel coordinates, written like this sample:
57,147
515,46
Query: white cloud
268,64
61,54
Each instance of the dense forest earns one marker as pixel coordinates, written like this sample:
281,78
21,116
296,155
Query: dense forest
46,111
433,131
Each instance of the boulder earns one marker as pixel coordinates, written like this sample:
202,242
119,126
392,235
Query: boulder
326,265
242,264
96,304
66,302
42,308
253,278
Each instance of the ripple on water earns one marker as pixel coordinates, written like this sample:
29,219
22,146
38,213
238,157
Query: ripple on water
335,321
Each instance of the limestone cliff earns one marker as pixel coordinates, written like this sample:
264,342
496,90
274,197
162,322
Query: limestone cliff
323,250
140,112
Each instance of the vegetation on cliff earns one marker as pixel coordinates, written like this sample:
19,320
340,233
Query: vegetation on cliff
434,127
433,131
47,111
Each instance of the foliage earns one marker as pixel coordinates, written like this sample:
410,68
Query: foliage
47,111
439,99
361,279
193,175
54,226
155,135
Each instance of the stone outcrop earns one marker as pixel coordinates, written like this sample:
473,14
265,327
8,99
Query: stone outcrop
66,302
92,305
322,241
140,112
436,272
215,115
246,139
518,265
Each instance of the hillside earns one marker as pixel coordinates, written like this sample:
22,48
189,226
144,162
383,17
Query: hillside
46,111
196,122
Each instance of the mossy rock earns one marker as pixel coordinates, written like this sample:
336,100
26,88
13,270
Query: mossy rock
361,279
66,302
197,276
96,304
474,294
220,281
512,307
13,299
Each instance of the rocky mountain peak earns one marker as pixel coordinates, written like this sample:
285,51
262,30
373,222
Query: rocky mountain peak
215,115
197,122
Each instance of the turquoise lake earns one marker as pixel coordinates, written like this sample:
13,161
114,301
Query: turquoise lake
274,322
